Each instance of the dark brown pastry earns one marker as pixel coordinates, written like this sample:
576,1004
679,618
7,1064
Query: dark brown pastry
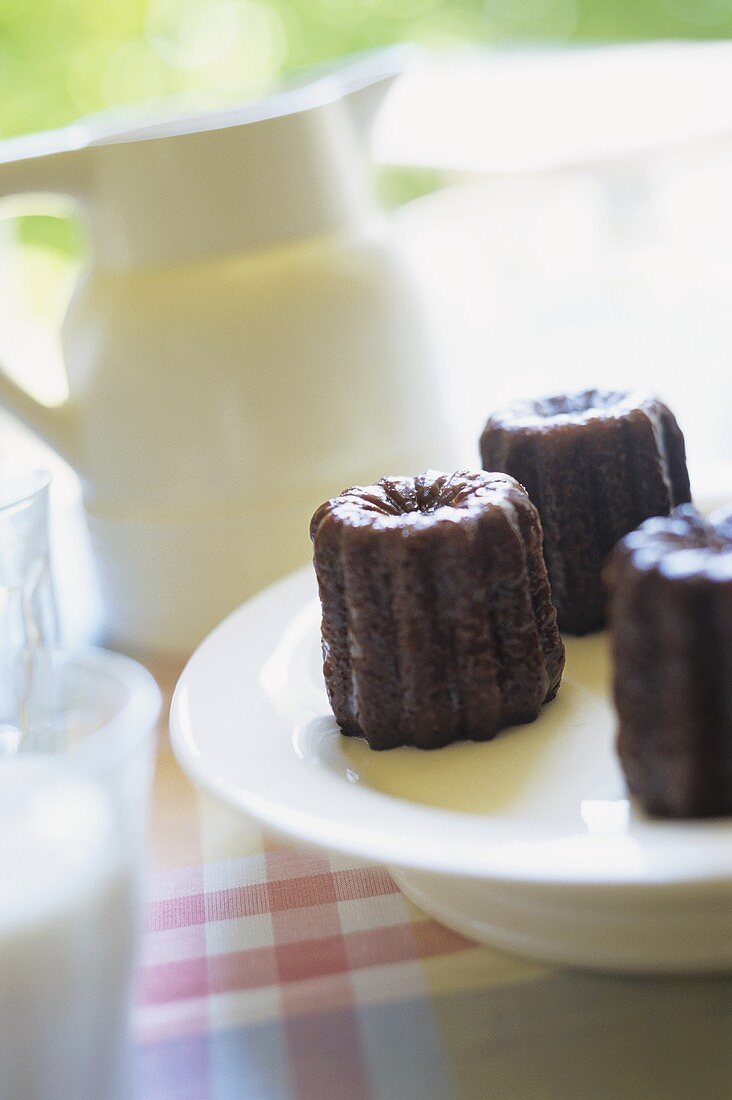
671,617
596,464
437,619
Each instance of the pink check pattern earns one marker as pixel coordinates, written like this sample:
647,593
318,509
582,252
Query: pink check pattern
306,921
273,938
273,973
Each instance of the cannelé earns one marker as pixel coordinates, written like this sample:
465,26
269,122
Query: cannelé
596,464
671,618
437,620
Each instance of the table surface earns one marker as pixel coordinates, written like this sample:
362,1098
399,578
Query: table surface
270,971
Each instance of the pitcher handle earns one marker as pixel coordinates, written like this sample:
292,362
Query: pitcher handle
42,163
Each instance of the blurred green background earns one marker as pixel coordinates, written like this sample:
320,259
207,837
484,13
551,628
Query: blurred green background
60,59
63,58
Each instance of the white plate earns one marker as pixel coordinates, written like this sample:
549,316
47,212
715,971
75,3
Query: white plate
526,842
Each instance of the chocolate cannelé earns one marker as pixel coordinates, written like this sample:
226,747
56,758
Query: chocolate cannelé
596,464
671,618
437,618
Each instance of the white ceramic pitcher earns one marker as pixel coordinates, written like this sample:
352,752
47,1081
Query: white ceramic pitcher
243,342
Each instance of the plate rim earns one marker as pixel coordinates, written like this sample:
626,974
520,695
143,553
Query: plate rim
596,860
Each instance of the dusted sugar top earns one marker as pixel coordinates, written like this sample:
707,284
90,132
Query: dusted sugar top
683,544
574,408
416,502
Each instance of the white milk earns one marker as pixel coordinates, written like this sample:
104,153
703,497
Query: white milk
66,937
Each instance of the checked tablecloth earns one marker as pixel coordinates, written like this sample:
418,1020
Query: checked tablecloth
277,973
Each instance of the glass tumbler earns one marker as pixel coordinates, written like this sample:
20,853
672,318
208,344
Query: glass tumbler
27,605
28,619
73,812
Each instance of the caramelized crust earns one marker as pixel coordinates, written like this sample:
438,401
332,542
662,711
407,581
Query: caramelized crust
671,615
595,464
437,618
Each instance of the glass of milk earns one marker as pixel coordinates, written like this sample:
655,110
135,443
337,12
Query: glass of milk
73,810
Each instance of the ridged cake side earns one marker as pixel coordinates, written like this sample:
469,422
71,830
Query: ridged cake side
595,465
437,619
671,615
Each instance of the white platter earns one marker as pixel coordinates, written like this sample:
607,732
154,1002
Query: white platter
526,842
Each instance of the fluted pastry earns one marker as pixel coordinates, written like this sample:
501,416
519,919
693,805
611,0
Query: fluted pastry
671,618
595,464
437,618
